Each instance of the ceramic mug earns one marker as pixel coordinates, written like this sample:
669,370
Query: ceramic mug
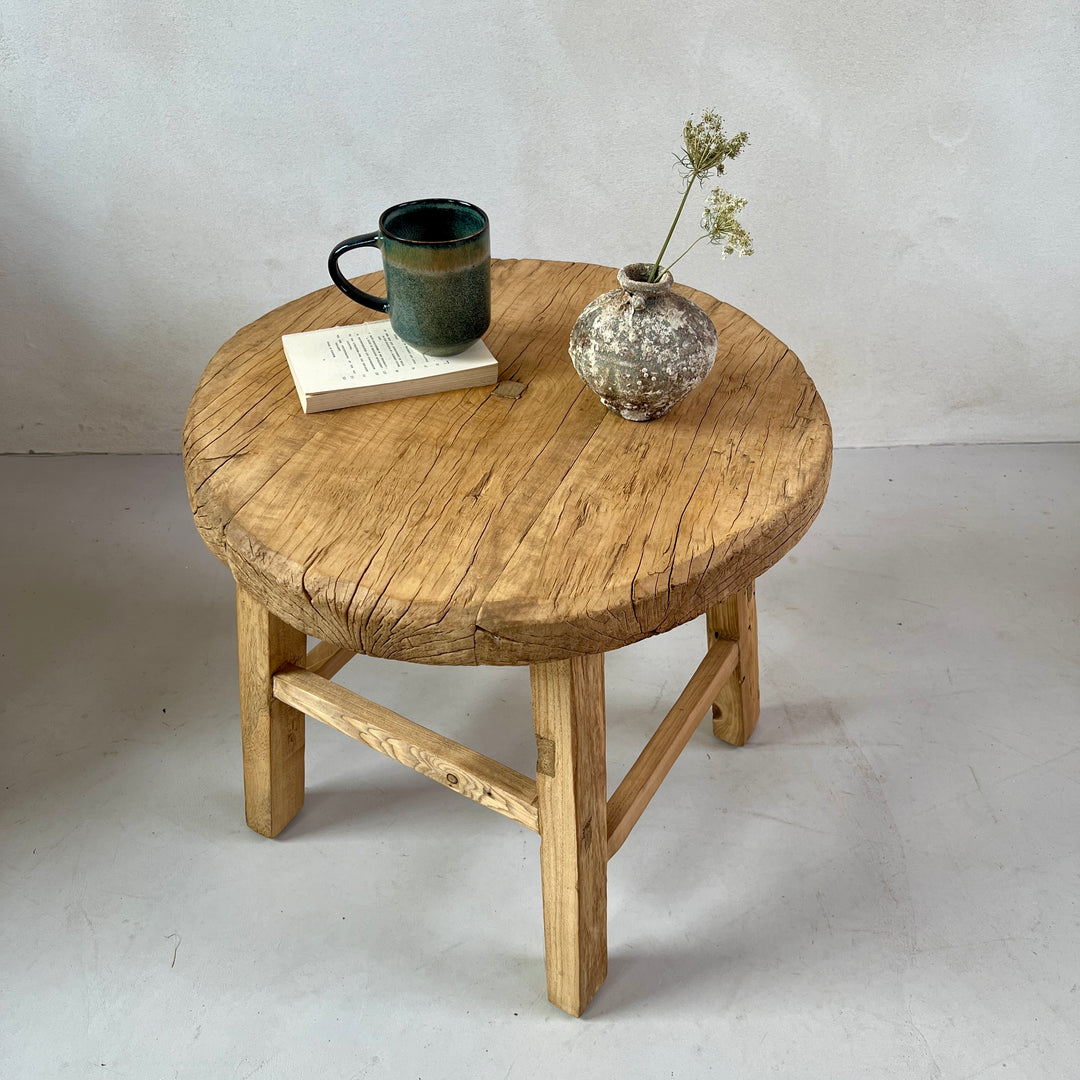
437,260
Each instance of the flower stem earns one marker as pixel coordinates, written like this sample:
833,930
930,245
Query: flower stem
703,236
655,272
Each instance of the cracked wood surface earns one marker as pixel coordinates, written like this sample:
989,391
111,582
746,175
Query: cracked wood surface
473,528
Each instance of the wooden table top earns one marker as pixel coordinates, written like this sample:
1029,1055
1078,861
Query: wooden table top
472,528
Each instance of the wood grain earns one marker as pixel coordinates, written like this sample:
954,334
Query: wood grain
737,705
272,732
468,527
457,767
646,775
568,715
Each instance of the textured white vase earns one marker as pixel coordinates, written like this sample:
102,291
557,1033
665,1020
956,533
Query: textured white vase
642,347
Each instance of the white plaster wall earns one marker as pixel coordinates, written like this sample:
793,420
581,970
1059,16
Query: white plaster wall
170,169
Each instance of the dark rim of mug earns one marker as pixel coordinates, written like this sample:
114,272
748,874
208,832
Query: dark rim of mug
432,243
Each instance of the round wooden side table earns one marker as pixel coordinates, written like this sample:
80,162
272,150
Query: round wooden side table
520,524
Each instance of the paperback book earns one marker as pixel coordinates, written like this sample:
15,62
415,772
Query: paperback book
355,365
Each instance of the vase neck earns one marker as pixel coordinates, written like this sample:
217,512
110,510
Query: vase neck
633,278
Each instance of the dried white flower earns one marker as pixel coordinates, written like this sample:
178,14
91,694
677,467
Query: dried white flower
705,149
719,222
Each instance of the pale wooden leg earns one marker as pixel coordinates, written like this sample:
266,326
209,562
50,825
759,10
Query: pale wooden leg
571,783
736,709
273,732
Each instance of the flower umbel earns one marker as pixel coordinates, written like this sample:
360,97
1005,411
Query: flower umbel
721,225
705,149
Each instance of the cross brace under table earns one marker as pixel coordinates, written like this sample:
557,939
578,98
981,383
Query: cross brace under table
580,828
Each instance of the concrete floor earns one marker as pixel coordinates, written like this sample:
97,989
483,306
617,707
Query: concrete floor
884,883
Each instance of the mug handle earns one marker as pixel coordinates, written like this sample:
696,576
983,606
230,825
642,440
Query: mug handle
371,239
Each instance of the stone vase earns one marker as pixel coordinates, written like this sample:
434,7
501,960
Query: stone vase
642,347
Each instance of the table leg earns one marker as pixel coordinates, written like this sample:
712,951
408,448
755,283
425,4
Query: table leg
272,732
571,783
736,709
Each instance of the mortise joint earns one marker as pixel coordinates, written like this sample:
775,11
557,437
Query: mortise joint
545,756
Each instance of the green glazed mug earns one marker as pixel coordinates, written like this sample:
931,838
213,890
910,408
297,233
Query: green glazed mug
437,260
